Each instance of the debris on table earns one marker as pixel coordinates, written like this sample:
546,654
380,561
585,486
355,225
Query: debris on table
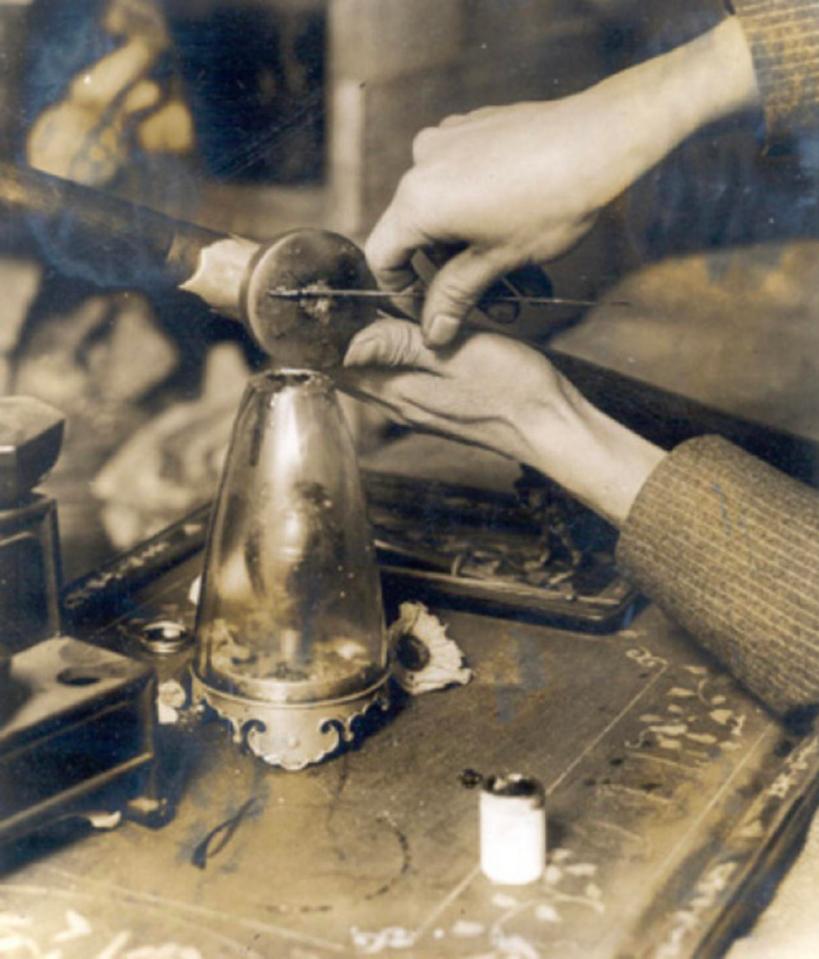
425,658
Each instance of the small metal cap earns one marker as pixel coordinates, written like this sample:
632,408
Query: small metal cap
164,637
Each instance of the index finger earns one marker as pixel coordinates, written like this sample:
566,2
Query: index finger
389,250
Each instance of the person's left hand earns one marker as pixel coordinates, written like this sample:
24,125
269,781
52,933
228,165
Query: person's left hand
488,391
498,393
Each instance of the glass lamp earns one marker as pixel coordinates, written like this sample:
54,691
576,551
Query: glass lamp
291,646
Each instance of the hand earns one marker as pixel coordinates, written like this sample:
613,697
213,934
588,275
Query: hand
521,184
484,392
495,392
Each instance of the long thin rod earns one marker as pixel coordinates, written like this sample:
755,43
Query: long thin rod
319,294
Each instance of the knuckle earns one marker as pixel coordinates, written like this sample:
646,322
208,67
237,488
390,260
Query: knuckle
454,119
422,142
410,346
422,418
402,349
455,292
393,353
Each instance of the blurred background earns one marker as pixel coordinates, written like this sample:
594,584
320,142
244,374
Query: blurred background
255,116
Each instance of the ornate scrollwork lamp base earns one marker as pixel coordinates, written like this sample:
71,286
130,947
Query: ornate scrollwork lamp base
292,735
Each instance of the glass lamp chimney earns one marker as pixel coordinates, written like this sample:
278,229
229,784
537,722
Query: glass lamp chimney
291,645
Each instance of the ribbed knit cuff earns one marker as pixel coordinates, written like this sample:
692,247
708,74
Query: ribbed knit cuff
729,548
784,39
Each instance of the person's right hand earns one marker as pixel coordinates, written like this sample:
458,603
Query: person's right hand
515,185
499,184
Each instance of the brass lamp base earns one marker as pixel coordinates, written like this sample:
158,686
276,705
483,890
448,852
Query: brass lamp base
292,735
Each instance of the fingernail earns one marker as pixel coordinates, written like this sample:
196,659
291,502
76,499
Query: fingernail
441,330
362,352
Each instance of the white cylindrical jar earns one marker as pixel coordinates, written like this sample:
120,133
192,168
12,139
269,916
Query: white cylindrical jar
513,829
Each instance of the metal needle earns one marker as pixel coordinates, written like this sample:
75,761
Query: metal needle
316,294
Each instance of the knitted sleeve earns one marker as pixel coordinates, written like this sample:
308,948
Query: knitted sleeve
784,40
729,547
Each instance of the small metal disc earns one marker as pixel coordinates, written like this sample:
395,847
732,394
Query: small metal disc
164,636
312,333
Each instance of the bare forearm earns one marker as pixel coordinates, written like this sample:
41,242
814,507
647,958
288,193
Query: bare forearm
656,105
595,458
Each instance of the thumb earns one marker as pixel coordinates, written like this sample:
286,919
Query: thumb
390,342
455,290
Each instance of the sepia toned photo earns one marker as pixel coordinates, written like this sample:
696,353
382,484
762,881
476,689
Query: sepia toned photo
409,527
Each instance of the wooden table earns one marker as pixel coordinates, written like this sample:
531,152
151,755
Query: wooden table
671,796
